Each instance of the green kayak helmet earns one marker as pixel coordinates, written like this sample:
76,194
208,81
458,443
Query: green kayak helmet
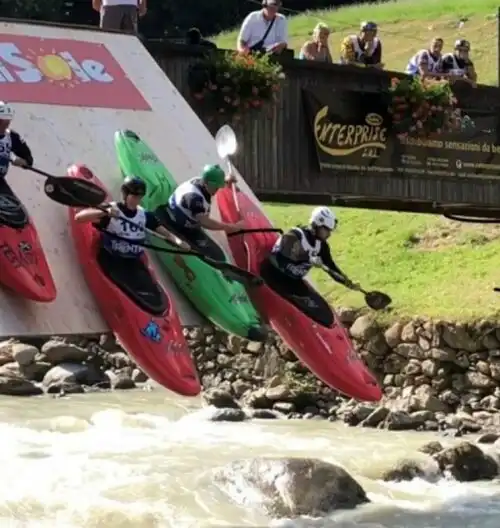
214,176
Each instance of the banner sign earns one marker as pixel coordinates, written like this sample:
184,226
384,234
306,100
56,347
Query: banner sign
352,133
64,71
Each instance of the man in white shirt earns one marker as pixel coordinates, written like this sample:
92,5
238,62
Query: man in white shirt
264,30
120,15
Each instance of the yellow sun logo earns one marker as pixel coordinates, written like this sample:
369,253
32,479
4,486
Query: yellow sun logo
54,67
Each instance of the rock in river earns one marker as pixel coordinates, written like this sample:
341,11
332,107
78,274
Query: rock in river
289,487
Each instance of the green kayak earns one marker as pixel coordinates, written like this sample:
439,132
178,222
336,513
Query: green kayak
224,303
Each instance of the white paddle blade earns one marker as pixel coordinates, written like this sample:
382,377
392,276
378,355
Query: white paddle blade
226,142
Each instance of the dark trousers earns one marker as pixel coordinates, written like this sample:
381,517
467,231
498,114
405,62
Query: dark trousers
119,17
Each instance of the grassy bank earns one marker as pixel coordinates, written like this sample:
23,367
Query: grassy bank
430,266
406,27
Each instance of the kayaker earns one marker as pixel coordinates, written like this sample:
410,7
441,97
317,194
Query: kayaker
298,250
13,149
188,211
119,257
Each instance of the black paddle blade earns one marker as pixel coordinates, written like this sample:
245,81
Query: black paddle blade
377,300
73,192
497,289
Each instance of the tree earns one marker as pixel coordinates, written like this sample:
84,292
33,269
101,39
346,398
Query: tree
31,9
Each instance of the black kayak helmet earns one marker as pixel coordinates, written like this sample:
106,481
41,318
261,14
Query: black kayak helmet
462,44
133,185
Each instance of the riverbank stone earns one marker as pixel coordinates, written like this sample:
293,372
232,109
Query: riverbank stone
436,375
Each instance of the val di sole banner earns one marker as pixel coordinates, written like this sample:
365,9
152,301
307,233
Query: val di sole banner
352,133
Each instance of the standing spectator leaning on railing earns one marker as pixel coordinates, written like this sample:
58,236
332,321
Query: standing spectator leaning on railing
364,49
264,30
120,15
317,49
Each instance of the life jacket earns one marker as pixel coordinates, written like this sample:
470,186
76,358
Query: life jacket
456,70
122,228
433,64
5,151
181,214
358,51
296,269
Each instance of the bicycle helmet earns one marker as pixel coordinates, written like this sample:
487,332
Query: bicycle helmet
323,217
214,176
134,186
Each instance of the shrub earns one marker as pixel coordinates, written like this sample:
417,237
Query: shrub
230,84
424,107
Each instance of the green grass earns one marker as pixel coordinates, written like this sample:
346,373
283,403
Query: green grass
376,249
454,278
405,28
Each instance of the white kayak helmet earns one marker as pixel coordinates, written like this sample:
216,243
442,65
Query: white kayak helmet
323,217
6,111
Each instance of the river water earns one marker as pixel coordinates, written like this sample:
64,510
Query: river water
144,460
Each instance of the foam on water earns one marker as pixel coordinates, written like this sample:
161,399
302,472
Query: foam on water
116,468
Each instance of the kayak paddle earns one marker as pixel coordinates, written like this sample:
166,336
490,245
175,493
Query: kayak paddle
228,270
256,230
73,191
374,299
227,144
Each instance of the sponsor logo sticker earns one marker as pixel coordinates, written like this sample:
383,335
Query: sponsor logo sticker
64,72
152,332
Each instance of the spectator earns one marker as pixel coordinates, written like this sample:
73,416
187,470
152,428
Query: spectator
120,15
428,62
364,49
264,30
317,48
458,65
194,38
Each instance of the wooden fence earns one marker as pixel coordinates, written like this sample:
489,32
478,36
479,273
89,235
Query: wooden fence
278,160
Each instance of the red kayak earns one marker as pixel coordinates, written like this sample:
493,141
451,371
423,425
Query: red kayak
24,269
322,343
150,331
